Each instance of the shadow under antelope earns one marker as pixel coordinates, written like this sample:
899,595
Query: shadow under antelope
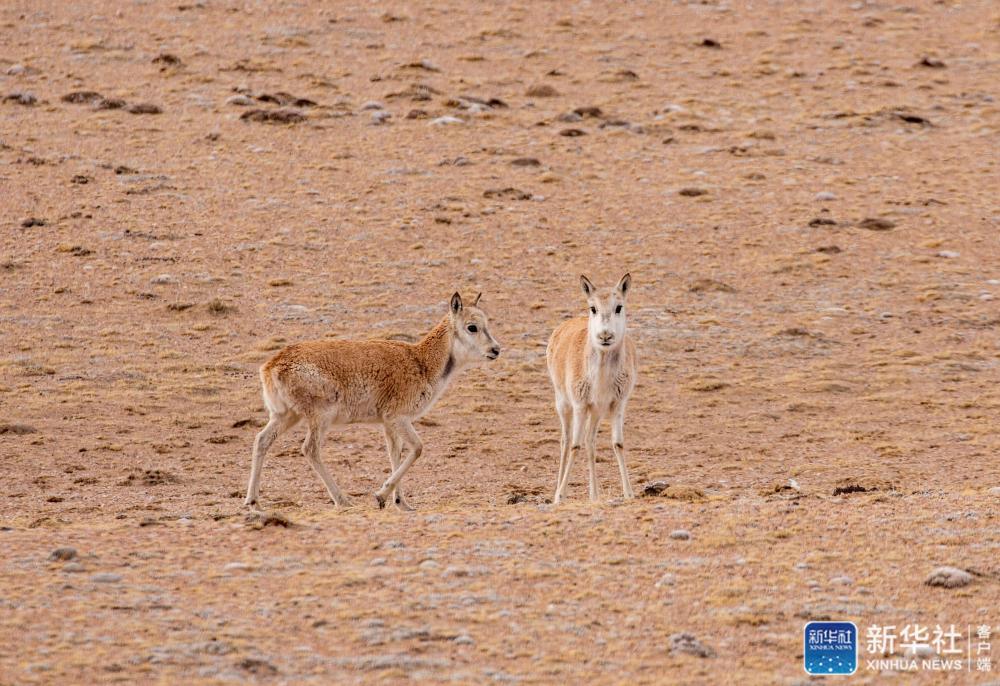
385,382
592,363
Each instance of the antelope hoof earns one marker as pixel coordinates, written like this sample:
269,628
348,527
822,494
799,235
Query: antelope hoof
345,502
380,500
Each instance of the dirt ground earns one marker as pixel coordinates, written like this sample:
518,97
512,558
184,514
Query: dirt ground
806,195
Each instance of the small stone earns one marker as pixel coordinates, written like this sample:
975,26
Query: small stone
445,121
238,567
378,562
692,192
73,568
654,488
144,108
666,580
257,666
910,118
688,644
62,554
823,196
429,564
282,116
994,491
680,535
26,99
167,58
525,162
949,577
372,105
508,193
543,90
876,224
32,221
842,580
463,640
949,254
239,100
381,117
16,70
572,133
106,578
163,279
82,97
570,117
109,104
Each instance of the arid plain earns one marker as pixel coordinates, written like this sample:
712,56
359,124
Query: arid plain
806,195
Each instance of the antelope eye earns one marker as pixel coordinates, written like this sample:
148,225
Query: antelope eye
593,310
618,310
472,328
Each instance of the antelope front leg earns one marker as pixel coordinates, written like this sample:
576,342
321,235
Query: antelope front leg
593,421
618,445
407,435
394,446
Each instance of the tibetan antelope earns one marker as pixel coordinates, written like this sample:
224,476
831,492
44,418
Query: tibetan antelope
373,382
592,363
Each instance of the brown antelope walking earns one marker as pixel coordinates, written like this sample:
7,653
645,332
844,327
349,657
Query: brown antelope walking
592,363
371,382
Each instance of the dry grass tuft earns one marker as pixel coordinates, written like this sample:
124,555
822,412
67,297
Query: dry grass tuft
219,307
258,520
17,429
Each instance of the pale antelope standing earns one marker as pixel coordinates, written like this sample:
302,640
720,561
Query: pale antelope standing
592,363
373,382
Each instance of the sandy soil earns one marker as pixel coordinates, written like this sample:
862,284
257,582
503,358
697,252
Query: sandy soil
806,197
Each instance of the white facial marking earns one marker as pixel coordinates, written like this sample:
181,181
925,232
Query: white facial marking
475,342
606,315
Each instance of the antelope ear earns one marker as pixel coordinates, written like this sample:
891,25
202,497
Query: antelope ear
476,301
625,284
456,303
588,288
